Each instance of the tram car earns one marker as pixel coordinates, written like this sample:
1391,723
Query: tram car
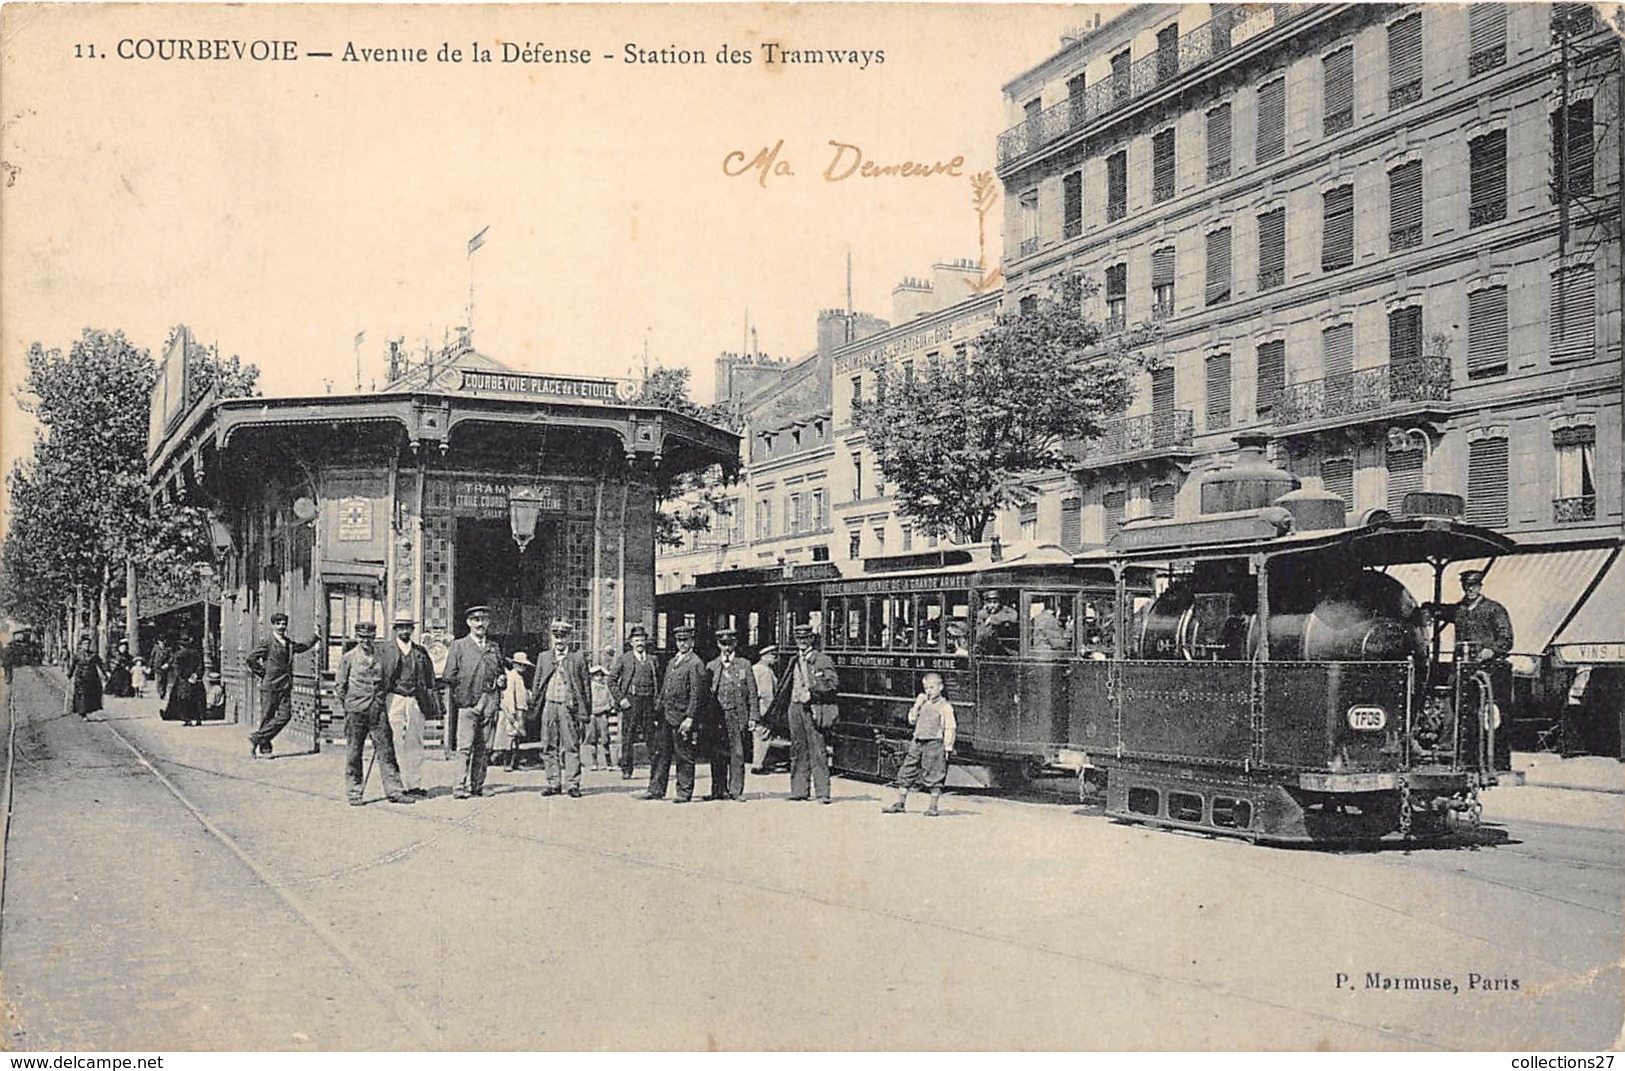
1285,685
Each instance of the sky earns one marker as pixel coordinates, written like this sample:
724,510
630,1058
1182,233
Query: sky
281,207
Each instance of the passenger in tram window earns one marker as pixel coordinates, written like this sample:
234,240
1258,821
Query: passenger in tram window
1047,636
997,626
958,638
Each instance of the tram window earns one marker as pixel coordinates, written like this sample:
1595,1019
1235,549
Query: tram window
879,627
930,623
837,619
854,623
997,626
1097,620
958,627
815,619
753,635
900,622
1049,624
660,630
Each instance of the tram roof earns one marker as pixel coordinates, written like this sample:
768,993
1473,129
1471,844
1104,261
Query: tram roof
1387,542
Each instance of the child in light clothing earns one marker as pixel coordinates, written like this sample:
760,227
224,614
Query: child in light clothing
138,678
926,765
598,729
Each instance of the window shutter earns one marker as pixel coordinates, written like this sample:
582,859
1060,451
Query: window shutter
1337,241
1162,390
1162,266
1405,335
1574,314
1117,185
1218,266
1271,120
1218,143
1272,249
1337,350
1116,281
1077,101
1271,375
1167,52
1072,523
1339,88
1405,206
1337,473
1486,37
1122,79
1487,176
1487,332
1162,501
1404,476
1072,196
1162,165
1579,147
1487,483
1405,61
1218,391
1115,503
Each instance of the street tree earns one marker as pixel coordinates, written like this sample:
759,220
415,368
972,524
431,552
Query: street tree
962,439
80,523
687,501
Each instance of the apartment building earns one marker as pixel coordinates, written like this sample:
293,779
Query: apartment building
1387,235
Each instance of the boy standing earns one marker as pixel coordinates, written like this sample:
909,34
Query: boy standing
926,765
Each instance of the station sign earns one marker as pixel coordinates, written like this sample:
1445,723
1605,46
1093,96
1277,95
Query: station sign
569,388
488,499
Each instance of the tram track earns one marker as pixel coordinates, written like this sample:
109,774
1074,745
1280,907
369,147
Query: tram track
428,1035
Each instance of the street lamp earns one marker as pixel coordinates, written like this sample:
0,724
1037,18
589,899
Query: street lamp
524,504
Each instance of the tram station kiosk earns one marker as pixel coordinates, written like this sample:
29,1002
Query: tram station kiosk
459,483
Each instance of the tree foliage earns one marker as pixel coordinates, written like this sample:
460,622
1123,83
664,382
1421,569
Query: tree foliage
962,440
79,502
687,501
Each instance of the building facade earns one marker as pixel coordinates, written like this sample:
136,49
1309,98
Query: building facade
1386,235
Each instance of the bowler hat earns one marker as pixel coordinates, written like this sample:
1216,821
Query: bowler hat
636,631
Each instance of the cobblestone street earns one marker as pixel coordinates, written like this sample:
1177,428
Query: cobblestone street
291,921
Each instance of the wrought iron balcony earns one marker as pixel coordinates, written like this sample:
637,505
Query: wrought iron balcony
1574,510
1367,392
1209,41
1029,246
1134,437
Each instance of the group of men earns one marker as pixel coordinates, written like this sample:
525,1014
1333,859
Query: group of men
687,711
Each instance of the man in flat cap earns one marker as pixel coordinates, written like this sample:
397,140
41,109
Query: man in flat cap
1484,638
733,682
476,676
767,686
634,680
678,712
562,693
272,663
813,683
410,691
359,689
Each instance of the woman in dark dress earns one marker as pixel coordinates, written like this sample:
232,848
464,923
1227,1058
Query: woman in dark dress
186,685
118,671
85,671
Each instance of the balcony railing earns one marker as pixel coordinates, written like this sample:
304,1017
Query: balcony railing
1135,435
1206,42
1574,510
1029,246
1367,391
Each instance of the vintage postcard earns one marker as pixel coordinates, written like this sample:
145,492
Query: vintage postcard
1108,515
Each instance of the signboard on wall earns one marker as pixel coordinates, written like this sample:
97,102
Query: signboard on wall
571,388
488,499
168,399
355,520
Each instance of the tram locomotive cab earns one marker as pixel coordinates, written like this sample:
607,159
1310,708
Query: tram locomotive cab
1285,684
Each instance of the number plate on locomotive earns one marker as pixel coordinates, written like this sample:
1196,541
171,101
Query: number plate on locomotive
1368,718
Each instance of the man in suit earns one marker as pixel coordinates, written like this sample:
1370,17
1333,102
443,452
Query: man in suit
634,680
272,663
563,694
733,682
409,689
813,684
678,713
476,676
767,686
358,687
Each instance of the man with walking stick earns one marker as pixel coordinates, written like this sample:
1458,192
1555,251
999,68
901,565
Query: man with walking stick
359,690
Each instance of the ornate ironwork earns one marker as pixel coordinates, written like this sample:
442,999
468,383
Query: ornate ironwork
1367,391
1574,510
1207,42
1140,434
1029,246
1487,212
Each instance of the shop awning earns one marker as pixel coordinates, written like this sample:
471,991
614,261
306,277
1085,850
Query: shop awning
1596,633
1541,590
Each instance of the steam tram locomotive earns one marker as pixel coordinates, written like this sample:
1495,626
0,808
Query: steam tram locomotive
1260,671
